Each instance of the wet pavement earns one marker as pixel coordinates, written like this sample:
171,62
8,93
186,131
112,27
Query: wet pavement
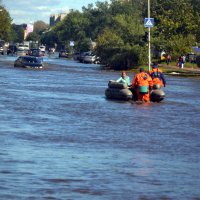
62,139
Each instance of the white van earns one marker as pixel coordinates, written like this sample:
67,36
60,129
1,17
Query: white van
23,47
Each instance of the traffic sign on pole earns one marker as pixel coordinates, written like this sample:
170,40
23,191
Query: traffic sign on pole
71,43
148,22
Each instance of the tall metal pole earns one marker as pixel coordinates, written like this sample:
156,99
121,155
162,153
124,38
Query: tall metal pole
149,37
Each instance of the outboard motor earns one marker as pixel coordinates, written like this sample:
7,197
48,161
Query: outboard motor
157,94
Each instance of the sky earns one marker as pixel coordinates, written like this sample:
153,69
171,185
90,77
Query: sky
30,11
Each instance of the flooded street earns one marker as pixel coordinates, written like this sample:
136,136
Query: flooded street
61,139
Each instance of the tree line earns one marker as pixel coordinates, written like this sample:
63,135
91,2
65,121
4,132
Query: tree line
118,30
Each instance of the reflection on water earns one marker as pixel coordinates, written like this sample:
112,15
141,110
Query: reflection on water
61,139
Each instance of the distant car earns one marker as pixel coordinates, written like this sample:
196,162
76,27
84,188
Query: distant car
76,55
90,58
1,50
51,50
81,56
64,53
23,47
191,57
35,52
12,49
21,52
42,48
30,62
26,47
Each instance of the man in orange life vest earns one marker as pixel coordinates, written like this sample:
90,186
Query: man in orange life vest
157,76
142,83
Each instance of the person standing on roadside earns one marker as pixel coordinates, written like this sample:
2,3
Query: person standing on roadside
181,62
142,84
168,59
184,59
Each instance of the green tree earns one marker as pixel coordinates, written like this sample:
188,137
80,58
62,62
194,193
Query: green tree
38,30
5,21
176,26
40,27
124,49
49,39
99,18
180,44
196,10
72,28
33,37
118,29
116,54
109,43
17,33
173,17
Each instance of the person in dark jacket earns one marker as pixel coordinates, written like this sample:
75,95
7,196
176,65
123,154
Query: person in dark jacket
157,76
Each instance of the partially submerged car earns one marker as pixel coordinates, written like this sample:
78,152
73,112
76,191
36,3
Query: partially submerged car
42,48
191,57
90,58
81,56
64,54
12,49
29,62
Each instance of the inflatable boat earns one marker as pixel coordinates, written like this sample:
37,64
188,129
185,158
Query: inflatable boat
120,91
157,94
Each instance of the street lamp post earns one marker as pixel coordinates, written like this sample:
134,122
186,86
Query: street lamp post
149,37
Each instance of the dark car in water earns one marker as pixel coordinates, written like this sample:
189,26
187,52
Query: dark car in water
81,56
64,54
12,49
91,58
29,62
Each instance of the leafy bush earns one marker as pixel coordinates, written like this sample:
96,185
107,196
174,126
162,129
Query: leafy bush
123,58
179,44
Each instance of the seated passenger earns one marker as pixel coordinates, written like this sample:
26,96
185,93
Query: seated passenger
124,79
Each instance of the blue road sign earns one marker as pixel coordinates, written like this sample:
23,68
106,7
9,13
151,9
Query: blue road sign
71,43
149,22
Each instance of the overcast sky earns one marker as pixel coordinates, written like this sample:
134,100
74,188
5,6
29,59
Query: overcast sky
29,11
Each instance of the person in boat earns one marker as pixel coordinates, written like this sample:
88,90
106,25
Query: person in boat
142,84
157,76
124,79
